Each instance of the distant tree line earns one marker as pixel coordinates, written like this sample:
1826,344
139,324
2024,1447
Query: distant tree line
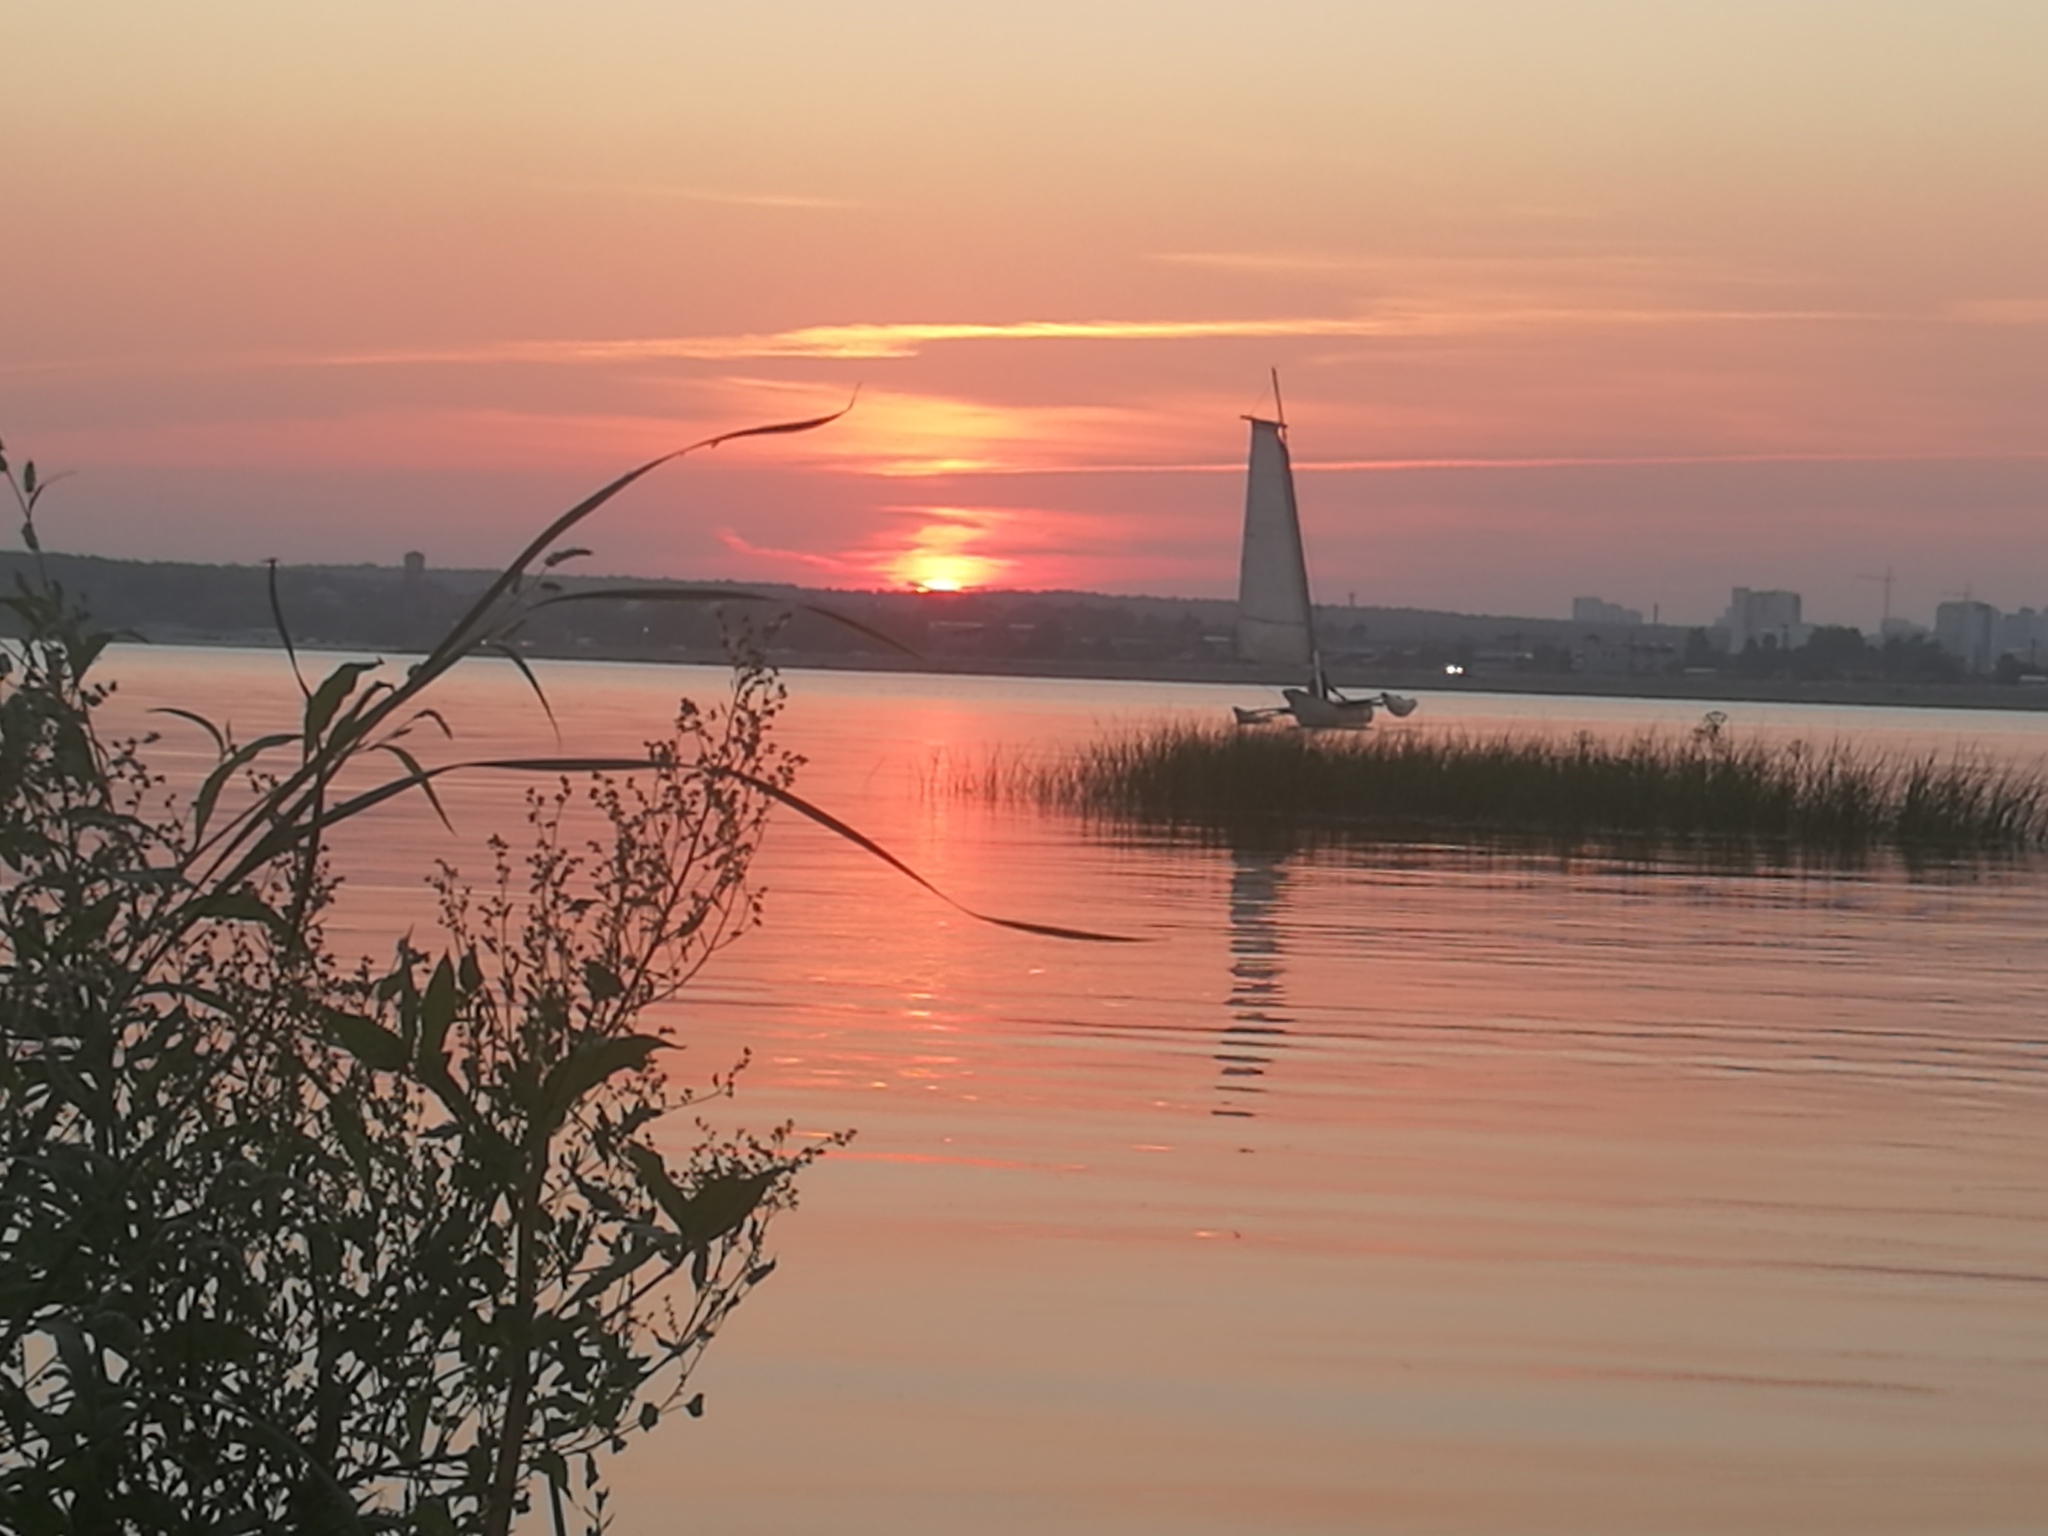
1838,652
387,609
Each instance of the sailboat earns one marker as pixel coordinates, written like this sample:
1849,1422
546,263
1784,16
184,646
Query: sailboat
1275,619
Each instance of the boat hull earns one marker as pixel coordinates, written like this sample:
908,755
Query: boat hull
1314,712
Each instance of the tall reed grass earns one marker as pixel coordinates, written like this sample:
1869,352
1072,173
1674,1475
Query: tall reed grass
1653,788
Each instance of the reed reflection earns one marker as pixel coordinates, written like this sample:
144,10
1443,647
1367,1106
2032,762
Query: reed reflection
1258,1021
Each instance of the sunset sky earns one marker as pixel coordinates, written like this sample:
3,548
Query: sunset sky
1641,299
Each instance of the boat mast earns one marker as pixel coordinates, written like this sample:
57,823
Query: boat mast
1319,682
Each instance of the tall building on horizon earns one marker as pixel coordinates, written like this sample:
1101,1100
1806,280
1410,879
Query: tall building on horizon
1764,617
1967,630
2024,635
1593,610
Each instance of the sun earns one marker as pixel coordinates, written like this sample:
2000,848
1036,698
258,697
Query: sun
926,570
936,563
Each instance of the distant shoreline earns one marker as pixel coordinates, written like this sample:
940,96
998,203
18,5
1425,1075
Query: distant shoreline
391,610
2019,697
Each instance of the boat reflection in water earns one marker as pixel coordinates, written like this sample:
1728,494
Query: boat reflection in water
1258,1021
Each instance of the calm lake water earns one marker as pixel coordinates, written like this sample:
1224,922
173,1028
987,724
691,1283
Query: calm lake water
1396,1190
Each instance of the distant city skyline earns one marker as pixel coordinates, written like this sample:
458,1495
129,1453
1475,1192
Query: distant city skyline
1581,297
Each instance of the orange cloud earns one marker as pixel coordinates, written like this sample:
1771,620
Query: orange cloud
806,564
1447,314
889,340
723,197
901,434
944,549
2001,312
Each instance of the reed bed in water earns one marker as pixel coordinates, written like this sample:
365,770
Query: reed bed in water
1702,787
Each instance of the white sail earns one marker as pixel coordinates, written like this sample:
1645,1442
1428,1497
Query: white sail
1273,618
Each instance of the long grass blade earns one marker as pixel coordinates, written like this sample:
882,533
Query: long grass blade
263,824
861,840
426,780
327,698
532,682
288,835
459,636
209,790
284,630
220,742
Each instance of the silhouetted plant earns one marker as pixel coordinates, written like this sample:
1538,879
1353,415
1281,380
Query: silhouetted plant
289,1245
